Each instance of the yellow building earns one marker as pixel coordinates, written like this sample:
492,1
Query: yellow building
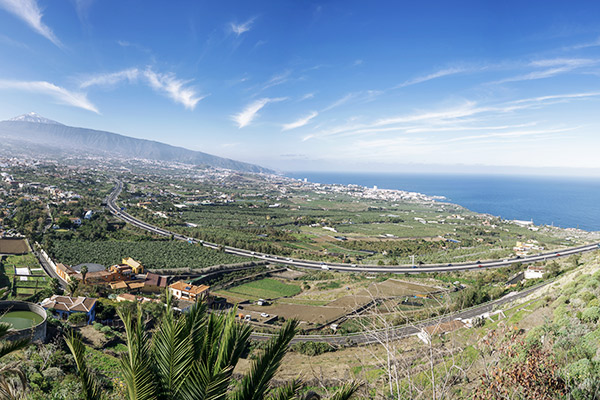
136,267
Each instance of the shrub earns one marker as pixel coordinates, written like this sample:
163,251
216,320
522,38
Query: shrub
54,373
77,318
577,371
592,283
590,314
559,313
312,348
586,296
560,301
97,326
107,330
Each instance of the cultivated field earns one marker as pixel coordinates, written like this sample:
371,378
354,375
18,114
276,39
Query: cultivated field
23,286
13,246
153,254
313,314
266,288
320,297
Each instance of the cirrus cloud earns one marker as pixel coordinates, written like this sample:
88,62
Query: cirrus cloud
238,29
30,13
247,115
165,83
300,122
62,95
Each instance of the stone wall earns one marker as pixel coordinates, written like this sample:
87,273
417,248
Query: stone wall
36,333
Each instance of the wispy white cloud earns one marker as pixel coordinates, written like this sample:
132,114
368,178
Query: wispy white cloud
463,128
174,88
553,67
363,96
28,11
510,134
357,62
557,97
247,115
110,79
467,109
563,62
82,7
60,94
238,29
339,102
438,74
12,42
586,45
166,83
300,122
448,119
278,79
306,96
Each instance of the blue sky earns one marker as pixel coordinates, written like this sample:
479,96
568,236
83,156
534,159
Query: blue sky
318,85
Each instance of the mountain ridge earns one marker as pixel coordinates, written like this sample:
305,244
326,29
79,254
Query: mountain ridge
33,128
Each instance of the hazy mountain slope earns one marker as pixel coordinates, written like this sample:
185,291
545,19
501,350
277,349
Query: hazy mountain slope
103,143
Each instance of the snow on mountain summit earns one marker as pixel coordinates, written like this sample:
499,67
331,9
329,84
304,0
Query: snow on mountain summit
33,117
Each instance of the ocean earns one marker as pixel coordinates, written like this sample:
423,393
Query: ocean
560,201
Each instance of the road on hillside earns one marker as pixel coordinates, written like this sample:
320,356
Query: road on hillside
403,331
308,264
49,270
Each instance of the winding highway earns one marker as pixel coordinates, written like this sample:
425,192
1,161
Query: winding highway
374,336
309,264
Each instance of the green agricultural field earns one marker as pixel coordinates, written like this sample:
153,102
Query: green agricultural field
267,288
22,289
27,260
153,254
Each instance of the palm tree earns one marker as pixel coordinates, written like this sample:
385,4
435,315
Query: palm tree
89,385
11,388
72,287
84,271
192,357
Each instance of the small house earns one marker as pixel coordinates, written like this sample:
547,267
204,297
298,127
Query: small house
135,266
64,306
187,291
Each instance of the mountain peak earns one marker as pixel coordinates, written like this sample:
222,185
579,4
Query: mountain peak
33,117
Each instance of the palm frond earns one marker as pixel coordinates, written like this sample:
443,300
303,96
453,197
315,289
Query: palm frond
195,319
4,328
346,391
89,384
173,354
211,331
287,392
13,382
204,384
7,347
255,384
136,364
234,340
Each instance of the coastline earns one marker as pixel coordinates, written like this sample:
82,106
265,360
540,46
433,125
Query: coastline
561,202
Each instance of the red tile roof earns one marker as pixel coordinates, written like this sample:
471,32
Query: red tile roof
66,303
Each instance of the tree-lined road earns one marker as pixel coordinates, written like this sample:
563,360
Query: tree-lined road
116,211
